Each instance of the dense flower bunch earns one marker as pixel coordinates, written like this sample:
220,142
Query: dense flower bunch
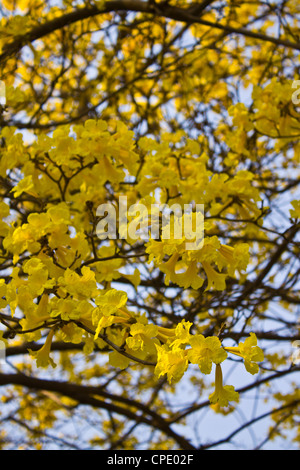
57,281
111,112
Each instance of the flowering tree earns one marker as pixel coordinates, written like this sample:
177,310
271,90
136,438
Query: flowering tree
156,104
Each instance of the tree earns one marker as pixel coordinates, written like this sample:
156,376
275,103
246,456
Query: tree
116,333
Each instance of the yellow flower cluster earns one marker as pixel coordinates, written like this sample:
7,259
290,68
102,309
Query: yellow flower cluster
60,277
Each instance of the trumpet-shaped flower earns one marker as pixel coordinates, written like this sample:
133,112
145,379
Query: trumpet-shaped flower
134,278
205,351
4,212
169,268
104,322
295,213
37,276
3,290
182,334
234,258
215,280
172,362
80,287
42,356
109,304
111,301
25,185
222,394
190,278
250,352
141,337
35,315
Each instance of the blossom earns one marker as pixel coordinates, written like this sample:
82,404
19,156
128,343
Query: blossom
4,212
42,356
134,278
234,258
222,394
71,309
141,337
104,322
111,301
108,304
190,278
37,276
59,214
295,212
182,334
169,268
35,314
205,351
25,185
79,286
250,352
216,280
172,362
3,290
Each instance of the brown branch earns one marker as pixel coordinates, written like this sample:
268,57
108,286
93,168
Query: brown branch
249,423
288,237
114,346
98,398
55,346
270,336
164,10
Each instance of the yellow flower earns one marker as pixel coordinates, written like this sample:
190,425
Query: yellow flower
81,287
111,301
35,315
227,252
172,362
222,394
190,278
250,352
169,268
4,212
234,258
3,290
295,213
109,304
141,337
59,214
39,223
134,278
156,252
216,280
42,356
37,276
104,322
182,334
26,185
205,351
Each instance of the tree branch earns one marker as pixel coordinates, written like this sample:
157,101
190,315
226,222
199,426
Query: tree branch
164,10
288,237
98,398
247,424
